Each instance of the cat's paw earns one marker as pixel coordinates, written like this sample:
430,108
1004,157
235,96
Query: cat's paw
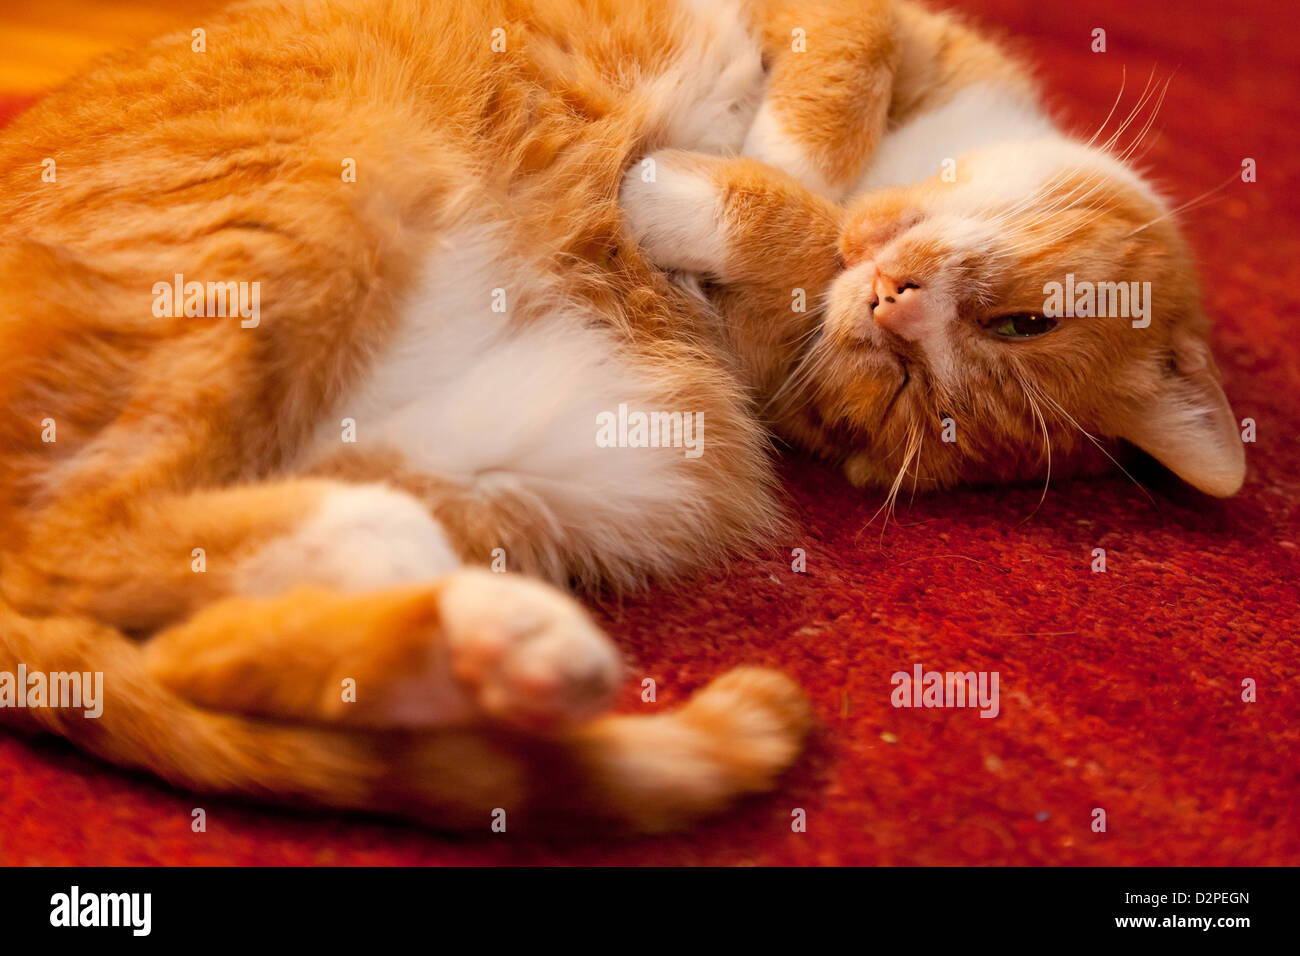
768,142
672,208
527,653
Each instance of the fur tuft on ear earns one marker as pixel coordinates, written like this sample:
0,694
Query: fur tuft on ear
1190,428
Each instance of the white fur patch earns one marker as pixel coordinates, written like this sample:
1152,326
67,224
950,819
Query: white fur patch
1004,147
706,98
359,538
677,218
976,117
1007,173
511,647
526,648
506,403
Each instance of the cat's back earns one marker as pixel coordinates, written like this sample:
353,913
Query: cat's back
507,86
289,136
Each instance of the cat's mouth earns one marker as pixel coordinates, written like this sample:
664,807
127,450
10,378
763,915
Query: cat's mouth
880,360
883,348
872,356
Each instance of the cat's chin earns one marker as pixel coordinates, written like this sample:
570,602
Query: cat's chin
855,395
866,357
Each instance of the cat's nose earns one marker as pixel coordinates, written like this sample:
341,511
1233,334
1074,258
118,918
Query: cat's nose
899,306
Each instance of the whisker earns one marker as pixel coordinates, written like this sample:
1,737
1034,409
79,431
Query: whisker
1189,204
1133,114
1123,79
1146,128
1083,431
913,447
804,372
1052,183
1047,440
1093,182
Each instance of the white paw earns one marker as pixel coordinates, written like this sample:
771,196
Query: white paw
528,652
672,208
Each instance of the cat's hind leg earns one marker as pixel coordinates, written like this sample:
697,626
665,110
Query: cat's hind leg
495,670
301,583
424,699
141,556
641,773
498,670
472,646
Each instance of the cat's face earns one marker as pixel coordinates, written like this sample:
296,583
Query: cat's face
956,347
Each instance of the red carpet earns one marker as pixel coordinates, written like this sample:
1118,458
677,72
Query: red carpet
1119,690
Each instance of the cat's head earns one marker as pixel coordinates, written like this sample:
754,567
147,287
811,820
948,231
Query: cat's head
955,347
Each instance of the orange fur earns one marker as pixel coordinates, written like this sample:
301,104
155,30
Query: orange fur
833,94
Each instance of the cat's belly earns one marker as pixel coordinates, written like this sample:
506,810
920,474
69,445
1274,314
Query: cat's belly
498,384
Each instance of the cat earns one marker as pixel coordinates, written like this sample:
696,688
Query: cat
932,258
323,314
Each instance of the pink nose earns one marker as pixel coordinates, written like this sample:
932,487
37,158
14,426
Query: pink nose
899,307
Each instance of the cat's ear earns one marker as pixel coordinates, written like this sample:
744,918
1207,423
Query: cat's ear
1189,427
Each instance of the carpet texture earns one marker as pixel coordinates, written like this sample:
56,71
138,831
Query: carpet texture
1120,691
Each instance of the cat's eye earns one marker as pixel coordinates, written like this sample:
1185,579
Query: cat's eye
1021,325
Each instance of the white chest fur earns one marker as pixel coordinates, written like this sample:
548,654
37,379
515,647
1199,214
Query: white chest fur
498,405
974,118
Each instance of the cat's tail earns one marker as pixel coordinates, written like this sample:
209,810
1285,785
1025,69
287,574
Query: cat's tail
733,737
628,772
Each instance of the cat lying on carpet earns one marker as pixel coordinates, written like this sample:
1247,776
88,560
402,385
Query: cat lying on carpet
265,533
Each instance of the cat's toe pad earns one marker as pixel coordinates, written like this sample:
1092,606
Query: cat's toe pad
528,653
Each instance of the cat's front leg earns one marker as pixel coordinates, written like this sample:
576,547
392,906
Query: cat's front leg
673,208
736,220
771,244
831,78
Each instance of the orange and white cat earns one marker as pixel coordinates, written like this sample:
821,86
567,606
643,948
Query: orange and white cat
931,292
262,523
